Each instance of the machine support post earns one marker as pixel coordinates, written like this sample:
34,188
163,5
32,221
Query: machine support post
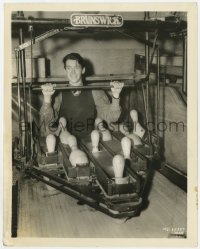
147,86
29,91
147,68
158,92
147,64
19,99
23,75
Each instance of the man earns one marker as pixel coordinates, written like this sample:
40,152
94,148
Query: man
80,108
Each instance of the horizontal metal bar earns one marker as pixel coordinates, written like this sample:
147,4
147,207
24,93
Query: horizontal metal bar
138,38
93,78
134,25
86,87
152,25
41,21
91,86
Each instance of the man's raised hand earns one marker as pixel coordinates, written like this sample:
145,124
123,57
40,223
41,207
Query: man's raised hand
48,91
116,88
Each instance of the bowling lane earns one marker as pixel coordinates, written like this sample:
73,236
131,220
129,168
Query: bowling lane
44,213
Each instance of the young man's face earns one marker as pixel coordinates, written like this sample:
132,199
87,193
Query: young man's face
74,72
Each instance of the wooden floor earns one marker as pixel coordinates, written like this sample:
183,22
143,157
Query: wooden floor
53,214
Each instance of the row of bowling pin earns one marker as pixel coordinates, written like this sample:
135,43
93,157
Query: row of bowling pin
95,138
118,160
77,156
138,131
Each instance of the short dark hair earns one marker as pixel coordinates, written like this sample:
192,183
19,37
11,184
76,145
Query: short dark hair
73,56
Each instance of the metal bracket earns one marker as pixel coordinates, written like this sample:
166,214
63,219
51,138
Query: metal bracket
38,39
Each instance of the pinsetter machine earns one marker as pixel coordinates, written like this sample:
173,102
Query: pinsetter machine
114,172
113,178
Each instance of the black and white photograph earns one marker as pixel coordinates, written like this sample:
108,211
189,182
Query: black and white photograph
99,123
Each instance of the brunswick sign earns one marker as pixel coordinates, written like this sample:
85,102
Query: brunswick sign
96,20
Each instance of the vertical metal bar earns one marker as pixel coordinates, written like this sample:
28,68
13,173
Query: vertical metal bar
147,85
145,104
158,91
185,64
23,75
31,40
30,102
147,68
147,54
18,98
146,114
129,106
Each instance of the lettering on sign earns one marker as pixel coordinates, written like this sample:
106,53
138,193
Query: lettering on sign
96,20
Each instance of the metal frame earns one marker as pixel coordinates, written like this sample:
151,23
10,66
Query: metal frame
92,199
134,25
64,25
21,50
60,25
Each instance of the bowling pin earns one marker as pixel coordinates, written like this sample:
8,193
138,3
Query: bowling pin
137,128
118,166
78,157
51,143
105,133
126,147
64,134
72,142
95,136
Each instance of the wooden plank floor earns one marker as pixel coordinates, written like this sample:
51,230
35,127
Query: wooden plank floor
53,214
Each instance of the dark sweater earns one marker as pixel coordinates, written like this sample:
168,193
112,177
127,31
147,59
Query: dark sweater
80,111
